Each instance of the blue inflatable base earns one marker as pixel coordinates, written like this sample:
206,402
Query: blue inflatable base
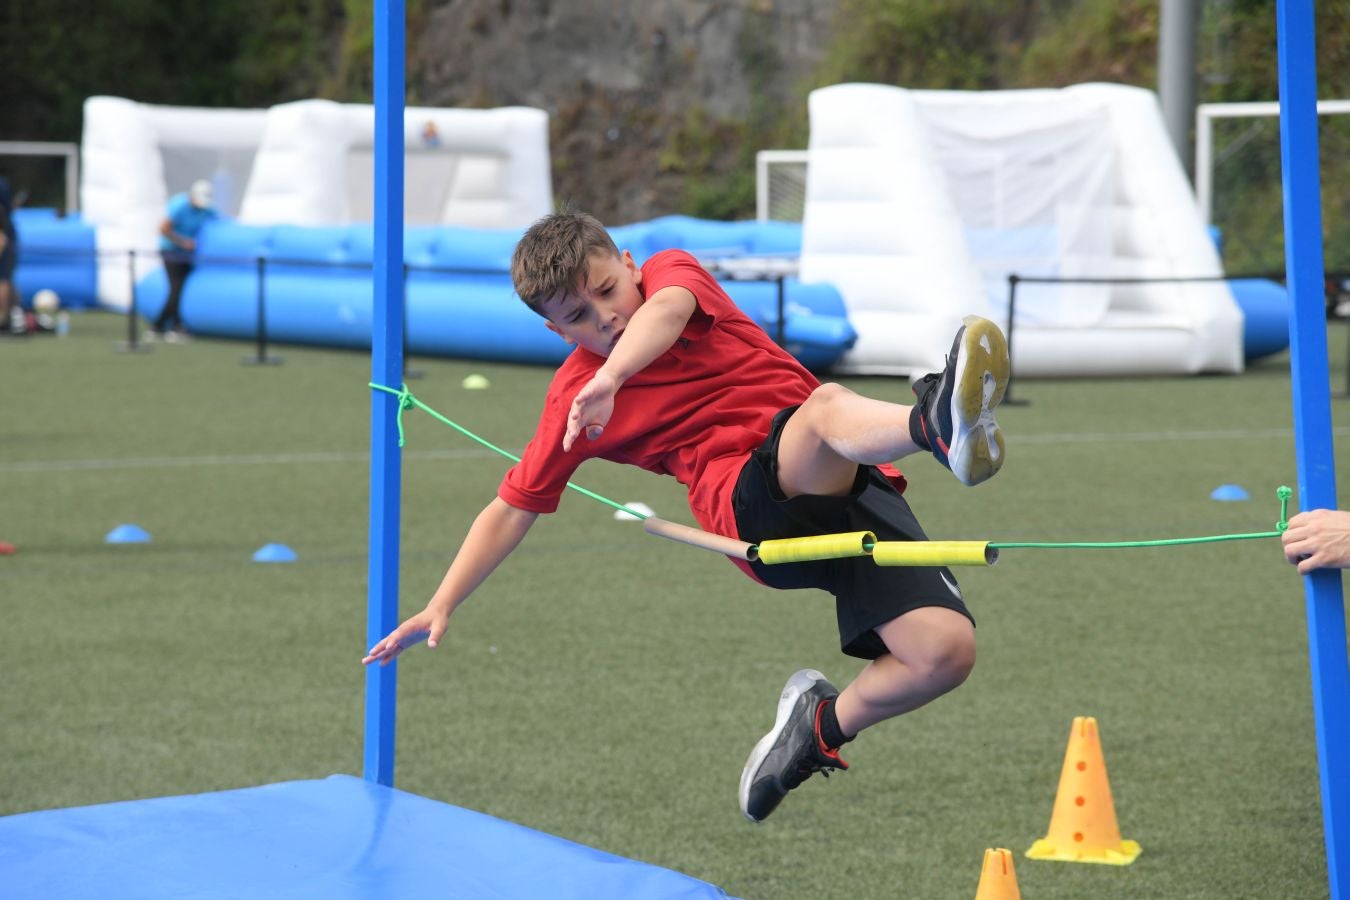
314,286
341,837
56,253
1265,315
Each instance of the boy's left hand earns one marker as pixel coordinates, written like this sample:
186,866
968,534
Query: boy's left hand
591,409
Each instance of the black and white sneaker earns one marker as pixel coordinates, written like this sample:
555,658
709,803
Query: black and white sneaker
791,752
957,404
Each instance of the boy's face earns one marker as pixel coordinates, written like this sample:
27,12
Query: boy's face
595,314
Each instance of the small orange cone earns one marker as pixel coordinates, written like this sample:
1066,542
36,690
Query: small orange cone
1083,825
998,881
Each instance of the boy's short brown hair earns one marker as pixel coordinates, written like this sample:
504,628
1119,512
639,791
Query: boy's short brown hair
554,255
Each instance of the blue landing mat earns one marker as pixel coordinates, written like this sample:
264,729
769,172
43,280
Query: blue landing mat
340,838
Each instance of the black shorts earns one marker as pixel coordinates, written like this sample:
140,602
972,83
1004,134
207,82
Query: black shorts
866,595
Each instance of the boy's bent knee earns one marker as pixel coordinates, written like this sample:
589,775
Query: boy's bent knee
948,660
823,396
956,660
935,641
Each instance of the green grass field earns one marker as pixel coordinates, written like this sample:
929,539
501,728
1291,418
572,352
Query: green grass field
605,686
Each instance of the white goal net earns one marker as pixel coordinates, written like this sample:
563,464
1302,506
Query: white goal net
780,185
1239,189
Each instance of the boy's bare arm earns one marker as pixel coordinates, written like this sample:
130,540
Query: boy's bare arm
650,332
497,531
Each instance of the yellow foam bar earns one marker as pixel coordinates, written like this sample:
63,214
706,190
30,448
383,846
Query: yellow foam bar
934,553
820,546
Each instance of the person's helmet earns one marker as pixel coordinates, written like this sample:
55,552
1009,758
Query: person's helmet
199,195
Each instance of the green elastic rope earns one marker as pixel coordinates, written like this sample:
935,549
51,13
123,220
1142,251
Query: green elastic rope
1282,492
406,400
1109,545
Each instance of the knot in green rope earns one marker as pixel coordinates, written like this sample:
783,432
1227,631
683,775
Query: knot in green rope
1284,492
405,401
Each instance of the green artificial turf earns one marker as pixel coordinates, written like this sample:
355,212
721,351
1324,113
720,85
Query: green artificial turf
606,686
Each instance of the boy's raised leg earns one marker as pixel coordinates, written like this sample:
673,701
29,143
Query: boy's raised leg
954,416
792,750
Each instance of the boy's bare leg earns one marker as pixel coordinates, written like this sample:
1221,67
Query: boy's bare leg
836,428
833,433
932,650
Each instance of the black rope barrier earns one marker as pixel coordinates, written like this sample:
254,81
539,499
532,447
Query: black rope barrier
261,358
131,345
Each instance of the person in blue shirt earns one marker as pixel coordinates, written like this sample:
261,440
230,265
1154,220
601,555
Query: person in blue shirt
186,215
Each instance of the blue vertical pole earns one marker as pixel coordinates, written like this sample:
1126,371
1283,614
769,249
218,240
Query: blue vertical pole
386,365
1312,418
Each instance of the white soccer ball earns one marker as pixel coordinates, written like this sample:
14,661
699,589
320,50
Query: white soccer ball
46,301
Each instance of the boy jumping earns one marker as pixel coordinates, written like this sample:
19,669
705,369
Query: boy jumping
671,376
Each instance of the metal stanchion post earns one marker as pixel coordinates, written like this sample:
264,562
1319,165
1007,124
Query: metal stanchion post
1347,361
1335,281
262,359
130,345
1008,399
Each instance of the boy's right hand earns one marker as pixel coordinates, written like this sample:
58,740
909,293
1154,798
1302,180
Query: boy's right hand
429,625
591,409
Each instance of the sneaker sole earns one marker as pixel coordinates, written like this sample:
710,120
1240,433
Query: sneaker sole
981,379
800,682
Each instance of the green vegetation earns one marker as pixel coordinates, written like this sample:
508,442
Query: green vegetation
605,686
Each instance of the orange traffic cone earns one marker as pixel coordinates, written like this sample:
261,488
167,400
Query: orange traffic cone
998,881
1083,825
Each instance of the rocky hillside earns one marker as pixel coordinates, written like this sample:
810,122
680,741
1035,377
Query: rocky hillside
640,95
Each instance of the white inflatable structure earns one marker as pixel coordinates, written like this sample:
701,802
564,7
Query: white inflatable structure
305,163
920,204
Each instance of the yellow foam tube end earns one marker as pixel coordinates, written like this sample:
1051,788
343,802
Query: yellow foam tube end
934,553
820,546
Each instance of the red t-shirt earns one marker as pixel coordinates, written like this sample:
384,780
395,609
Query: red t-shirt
695,412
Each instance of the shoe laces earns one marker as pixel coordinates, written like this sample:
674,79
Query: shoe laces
818,760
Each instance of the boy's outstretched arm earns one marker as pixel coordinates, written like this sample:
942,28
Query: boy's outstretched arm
649,333
497,531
